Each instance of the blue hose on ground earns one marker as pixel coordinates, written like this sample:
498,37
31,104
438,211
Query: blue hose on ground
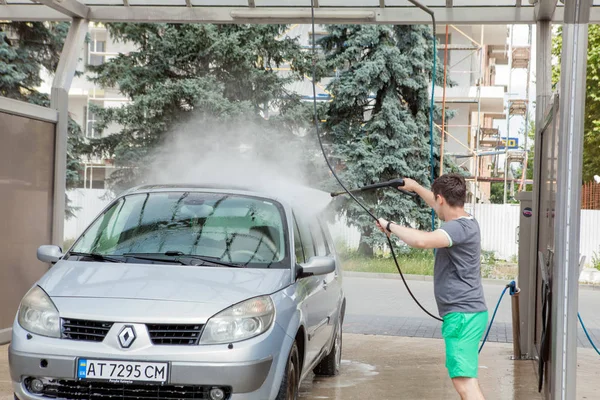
587,334
512,287
494,316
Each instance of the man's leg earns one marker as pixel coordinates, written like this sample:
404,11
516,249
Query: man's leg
468,388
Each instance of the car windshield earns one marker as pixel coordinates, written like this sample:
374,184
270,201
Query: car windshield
234,229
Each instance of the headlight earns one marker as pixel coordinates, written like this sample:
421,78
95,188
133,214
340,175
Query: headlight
37,314
242,321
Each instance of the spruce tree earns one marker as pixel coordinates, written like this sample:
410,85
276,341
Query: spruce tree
591,128
378,120
219,76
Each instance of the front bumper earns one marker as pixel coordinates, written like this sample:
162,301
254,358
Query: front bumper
252,369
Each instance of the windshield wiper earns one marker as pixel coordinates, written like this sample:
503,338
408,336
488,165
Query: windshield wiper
160,257
179,256
96,256
208,260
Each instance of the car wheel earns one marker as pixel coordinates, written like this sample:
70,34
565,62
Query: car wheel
291,377
330,365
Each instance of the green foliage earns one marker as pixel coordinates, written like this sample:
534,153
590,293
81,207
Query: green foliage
497,193
489,257
67,243
378,121
596,260
219,75
412,263
25,49
530,153
591,141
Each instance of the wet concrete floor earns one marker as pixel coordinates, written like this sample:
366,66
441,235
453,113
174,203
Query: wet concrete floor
390,368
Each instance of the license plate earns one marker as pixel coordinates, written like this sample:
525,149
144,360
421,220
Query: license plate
122,371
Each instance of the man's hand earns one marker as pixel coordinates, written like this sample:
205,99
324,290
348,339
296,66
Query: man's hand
409,185
381,224
412,186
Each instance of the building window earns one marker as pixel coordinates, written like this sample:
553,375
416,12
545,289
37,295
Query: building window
96,50
90,124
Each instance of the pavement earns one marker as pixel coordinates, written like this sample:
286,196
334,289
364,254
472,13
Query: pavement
379,304
391,368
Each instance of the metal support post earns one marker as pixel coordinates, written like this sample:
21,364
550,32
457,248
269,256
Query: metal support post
477,159
528,271
527,276
508,102
514,299
60,102
568,200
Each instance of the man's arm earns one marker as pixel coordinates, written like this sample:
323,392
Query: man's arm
416,238
412,186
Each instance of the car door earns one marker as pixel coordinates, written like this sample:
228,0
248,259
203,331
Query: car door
330,283
310,290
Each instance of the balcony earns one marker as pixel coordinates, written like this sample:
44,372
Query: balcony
518,107
521,57
491,97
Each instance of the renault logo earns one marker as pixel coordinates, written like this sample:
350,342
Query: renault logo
127,336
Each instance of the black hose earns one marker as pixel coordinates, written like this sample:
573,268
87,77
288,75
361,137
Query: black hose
314,77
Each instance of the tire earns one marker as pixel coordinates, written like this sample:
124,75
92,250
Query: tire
290,384
330,365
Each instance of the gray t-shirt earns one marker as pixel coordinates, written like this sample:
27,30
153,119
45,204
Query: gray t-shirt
457,271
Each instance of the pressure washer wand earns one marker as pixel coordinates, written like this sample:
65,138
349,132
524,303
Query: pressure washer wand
394,183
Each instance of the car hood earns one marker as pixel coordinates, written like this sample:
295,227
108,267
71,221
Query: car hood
220,286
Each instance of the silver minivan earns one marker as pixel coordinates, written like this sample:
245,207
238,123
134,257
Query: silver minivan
178,292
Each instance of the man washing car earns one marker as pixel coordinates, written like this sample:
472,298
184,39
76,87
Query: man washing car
457,276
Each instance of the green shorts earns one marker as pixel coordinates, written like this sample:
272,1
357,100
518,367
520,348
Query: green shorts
462,333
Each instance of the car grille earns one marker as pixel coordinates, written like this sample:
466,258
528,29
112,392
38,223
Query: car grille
80,390
90,331
162,334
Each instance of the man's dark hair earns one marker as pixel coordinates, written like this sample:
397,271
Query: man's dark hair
451,187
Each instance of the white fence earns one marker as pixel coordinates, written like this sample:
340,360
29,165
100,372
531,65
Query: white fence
499,225
87,203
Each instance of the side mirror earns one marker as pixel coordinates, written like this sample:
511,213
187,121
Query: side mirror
49,253
317,266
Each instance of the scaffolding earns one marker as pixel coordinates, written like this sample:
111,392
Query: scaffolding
483,140
520,58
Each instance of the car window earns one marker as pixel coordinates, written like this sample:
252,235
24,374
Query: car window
307,239
328,248
298,244
231,228
317,234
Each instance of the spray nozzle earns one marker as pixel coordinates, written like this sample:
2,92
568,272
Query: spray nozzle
394,183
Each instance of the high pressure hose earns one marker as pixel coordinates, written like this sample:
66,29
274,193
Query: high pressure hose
314,74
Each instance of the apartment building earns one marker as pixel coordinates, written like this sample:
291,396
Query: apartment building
472,55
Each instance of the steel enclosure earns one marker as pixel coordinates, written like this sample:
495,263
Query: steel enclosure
27,166
565,282
525,281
